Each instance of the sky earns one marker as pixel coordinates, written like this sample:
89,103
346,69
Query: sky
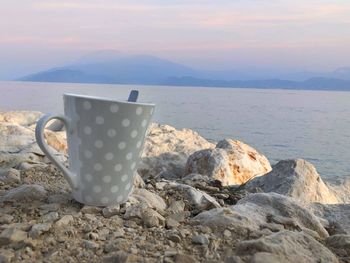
286,35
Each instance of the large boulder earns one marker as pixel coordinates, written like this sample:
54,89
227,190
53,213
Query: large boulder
298,179
286,247
231,162
167,149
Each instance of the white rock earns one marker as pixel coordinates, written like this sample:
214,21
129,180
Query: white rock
287,247
39,229
9,176
262,211
138,181
57,140
295,178
231,162
25,192
200,200
12,235
64,221
152,199
22,118
167,149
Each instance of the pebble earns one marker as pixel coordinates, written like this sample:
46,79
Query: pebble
90,209
39,229
90,244
6,219
25,192
180,258
171,223
227,233
50,217
175,238
12,235
152,218
110,211
200,240
6,255
64,221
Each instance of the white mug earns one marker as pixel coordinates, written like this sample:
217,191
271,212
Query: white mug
105,140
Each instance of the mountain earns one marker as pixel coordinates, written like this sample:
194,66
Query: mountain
111,67
115,67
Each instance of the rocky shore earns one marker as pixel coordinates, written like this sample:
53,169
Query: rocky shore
193,201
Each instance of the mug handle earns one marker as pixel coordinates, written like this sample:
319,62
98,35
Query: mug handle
39,135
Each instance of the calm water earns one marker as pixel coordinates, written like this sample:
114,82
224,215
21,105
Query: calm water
281,124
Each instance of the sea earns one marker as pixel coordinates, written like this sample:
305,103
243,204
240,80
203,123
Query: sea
281,124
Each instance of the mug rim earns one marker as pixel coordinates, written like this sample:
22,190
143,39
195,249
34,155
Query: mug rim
106,99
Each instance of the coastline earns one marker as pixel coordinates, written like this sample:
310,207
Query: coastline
192,200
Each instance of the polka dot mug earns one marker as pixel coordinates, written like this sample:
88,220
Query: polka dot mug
105,140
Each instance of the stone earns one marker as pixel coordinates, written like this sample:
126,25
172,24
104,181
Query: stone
122,257
12,236
87,209
181,258
176,207
6,255
231,162
285,246
261,211
50,217
175,238
339,244
135,211
200,240
138,181
171,223
167,149
267,208
25,192
57,140
337,216
296,178
152,218
64,221
110,211
39,229
6,219
10,176
198,199
21,118
90,244
152,199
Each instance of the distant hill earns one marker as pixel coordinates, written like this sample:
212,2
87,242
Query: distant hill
113,67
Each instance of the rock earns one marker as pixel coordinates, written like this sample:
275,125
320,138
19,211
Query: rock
200,240
25,192
14,138
295,178
87,209
50,217
135,211
225,218
285,246
339,244
64,221
261,211
267,208
12,236
167,149
180,258
122,257
110,211
39,229
231,162
176,207
5,219
22,118
171,223
198,199
6,255
152,218
90,244
337,216
152,199
57,140
175,238
138,181
10,176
